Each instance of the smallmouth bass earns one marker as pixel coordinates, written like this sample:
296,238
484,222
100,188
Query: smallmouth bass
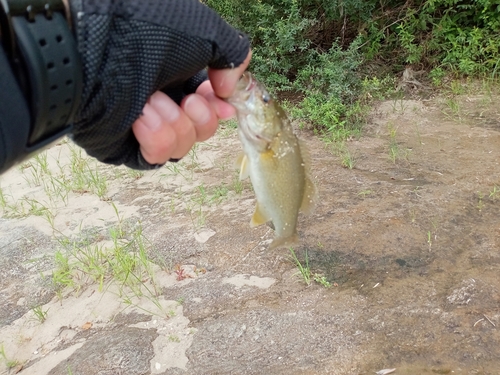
276,161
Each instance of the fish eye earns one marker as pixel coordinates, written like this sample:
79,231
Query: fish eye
265,97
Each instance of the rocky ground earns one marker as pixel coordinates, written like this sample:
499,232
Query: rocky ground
405,247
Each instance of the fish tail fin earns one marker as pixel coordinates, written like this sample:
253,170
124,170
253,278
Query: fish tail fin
284,241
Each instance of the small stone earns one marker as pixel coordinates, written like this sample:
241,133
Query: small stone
203,235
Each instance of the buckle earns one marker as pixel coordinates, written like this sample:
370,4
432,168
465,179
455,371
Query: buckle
44,56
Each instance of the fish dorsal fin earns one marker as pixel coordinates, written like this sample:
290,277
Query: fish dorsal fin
306,156
242,164
259,217
310,197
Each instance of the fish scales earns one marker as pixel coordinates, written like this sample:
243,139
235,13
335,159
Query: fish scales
276,161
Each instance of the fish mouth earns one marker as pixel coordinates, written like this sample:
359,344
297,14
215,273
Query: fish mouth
250,132
251,81
243,92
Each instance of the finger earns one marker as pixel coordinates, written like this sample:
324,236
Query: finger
203,117
224,80
156,139
175,117
222,109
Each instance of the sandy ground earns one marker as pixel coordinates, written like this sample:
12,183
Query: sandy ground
409,240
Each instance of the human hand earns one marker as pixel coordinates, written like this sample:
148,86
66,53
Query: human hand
132,49
166,131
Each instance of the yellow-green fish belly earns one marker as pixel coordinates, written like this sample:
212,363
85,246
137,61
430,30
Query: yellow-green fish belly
278,177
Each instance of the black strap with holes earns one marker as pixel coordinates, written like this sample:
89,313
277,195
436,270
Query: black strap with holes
44,57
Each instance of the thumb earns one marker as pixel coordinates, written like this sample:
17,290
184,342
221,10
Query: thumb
224,80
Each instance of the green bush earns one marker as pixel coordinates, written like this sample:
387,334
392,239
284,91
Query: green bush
317,50
330,87
461,36
295,50
278,33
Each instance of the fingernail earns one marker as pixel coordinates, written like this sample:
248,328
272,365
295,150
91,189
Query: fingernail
197,110
150,118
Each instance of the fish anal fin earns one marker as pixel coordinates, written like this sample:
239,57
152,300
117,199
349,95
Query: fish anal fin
284,241
259,217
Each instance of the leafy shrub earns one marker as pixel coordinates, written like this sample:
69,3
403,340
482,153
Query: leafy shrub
315,49
458,35
330,86
295,50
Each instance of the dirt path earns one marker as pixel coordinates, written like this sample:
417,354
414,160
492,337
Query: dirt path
409,239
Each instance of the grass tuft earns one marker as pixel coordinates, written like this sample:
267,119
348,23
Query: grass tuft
40,314
305,271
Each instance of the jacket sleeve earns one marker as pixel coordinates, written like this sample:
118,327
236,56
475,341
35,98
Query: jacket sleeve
14,117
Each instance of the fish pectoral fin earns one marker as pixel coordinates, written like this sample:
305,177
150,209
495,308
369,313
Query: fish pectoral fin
270,224
242,164
284,241
310,197
259,217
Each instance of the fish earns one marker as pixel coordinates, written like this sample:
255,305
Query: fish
275,159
